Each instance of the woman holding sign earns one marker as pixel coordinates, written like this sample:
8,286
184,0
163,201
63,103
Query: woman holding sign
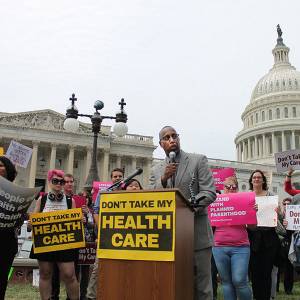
8,236
264,244
53,201
231,253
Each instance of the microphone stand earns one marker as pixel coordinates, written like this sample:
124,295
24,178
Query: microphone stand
114,186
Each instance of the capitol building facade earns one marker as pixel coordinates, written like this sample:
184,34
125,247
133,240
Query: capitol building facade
54,147
272,118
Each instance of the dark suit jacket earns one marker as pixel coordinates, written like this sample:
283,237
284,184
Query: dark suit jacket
192,165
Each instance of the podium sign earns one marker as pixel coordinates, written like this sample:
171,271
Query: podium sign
137,226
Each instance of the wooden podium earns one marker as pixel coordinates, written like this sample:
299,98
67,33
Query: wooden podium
121,279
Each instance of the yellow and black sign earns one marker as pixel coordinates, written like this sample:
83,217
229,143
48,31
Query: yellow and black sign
58,230
137,226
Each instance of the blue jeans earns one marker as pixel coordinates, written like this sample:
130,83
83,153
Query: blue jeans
232,264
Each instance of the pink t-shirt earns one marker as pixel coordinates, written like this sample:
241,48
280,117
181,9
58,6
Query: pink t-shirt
231,236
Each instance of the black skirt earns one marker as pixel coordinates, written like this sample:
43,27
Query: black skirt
56,256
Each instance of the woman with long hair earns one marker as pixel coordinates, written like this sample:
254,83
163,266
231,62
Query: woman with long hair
8,236
264,245
53,201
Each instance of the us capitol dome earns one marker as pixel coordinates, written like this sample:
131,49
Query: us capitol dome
272,118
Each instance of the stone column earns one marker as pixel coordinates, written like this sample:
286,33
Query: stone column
264,152
133,163
32,173
70,159
268,150
293,142
283,141
237,152
146,172
105,166
88,160
255,147
119,160
240,152
249,149
274,150
52,156
244,151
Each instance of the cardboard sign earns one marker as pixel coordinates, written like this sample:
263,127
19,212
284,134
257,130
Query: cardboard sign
266,214
292,215
14,202
87,255
99,186
233,209
286,159
58,230
137,226
220,175
19,154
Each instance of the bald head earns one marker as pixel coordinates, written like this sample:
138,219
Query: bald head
169,140
164,129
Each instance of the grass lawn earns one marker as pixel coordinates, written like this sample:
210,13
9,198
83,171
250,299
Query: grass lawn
21,291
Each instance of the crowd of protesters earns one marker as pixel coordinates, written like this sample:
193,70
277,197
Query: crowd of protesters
241,253
255,252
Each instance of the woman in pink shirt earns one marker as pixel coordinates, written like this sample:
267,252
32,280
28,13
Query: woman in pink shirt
231,253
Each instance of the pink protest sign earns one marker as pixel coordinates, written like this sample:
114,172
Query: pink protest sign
220,175
233,209
99,186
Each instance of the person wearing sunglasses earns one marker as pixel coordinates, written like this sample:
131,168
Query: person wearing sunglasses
231,253
53,201
68,189
264,245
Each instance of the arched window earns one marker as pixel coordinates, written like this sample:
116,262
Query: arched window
286,112
251,120
277,113
294,112
263,116
256,118
270,114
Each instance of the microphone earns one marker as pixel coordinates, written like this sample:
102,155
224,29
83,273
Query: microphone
172,156
124,181
135,173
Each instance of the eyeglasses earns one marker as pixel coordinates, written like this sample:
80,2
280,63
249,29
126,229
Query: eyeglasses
167,137
56,181
257,177
230,187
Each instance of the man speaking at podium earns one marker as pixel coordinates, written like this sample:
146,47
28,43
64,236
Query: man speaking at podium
189,173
